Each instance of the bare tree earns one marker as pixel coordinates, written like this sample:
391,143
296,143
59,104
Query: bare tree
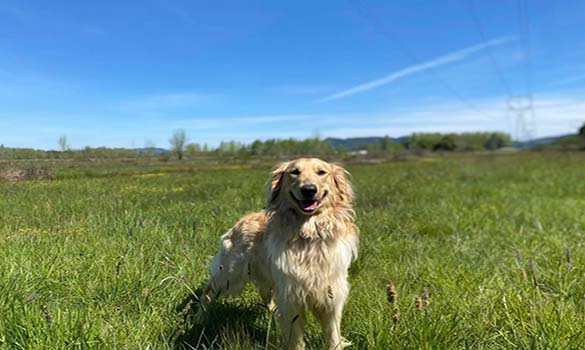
178,142
316,135
63,143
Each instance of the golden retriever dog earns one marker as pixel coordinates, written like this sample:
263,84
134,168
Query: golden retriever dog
297,251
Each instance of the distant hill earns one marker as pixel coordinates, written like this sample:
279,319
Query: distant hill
538,142
358,143
154,150
566,142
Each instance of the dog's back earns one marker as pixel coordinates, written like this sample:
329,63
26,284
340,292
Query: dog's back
234,265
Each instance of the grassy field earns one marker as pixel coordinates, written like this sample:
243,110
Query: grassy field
110,257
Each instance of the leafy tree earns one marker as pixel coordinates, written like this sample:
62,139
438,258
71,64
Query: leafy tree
468,141
257,147
388,145
178,141
274,147
192,149
497,140
582,130
374,149
447,143
425,141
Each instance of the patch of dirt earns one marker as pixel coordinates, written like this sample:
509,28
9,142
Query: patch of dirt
25,174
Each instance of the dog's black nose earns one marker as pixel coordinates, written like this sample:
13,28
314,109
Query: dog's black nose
308,190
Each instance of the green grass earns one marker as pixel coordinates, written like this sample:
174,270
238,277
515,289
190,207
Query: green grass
94,261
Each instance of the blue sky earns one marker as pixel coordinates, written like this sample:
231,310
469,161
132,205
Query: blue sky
123,74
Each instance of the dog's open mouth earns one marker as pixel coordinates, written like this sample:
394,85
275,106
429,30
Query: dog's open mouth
309,205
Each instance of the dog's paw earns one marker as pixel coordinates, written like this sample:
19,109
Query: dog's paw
271,306
345,343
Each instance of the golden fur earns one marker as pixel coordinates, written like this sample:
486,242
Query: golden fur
297,251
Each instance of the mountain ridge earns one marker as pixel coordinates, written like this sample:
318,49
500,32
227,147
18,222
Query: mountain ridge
359,143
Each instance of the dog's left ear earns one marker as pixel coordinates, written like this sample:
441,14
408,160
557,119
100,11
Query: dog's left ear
342,184
275,182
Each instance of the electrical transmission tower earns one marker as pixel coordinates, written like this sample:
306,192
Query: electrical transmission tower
522,107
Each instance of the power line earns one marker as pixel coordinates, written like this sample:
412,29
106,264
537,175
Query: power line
409,54
483,36
524,28
517,103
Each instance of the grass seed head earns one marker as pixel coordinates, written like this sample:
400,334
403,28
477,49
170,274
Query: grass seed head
523,274
46,314
418,303
118,266
396,315
391,293
426,298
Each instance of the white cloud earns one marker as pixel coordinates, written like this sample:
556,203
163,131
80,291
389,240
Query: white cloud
424,66
555,115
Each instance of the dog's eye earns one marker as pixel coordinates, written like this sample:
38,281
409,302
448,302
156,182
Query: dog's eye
321,172
295,172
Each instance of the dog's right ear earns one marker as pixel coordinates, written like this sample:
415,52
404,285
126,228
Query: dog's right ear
275,182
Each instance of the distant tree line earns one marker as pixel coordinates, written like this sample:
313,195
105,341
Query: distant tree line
84,153
180,147
275,147
469,141
462,142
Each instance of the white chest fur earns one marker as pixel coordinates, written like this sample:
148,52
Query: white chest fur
310,265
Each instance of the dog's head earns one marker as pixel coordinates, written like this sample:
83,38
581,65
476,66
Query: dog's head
309,185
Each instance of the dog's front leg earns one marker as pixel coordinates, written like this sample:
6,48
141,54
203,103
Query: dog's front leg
292,321
267,299
329,315
330,320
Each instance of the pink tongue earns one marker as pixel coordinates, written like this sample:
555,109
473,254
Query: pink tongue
312,206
